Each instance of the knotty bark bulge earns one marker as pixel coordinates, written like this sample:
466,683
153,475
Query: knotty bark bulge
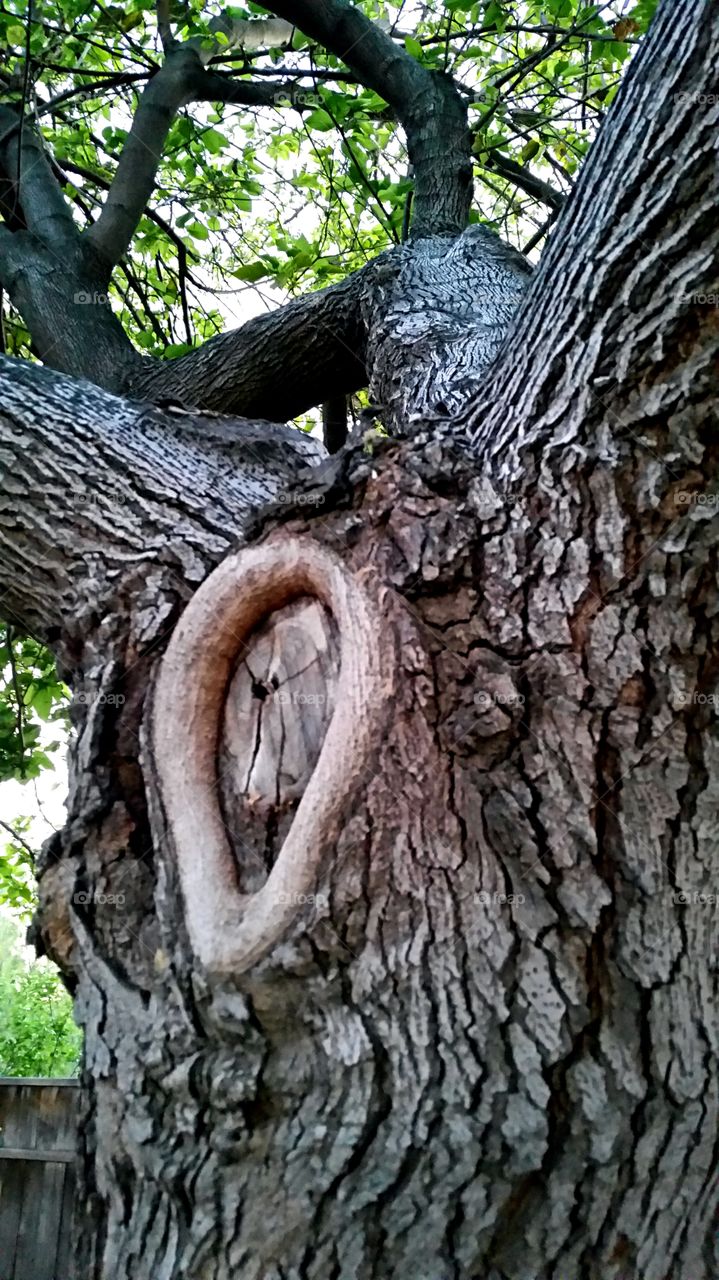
230,932
490,1050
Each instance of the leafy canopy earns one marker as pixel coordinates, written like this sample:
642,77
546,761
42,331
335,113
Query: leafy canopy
276,201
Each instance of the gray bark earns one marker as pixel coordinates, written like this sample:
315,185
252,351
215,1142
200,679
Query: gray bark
485,1043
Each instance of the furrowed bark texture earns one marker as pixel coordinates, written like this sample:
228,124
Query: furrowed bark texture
632,269
484,1042
436,314
124,483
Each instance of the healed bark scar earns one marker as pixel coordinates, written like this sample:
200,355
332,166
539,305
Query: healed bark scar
230,931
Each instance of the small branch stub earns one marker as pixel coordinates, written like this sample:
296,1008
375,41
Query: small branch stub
230,931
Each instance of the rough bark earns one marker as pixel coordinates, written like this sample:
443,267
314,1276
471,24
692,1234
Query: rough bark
484,1041
105,485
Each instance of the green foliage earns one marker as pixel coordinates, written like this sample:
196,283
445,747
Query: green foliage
30,693
37,1034
289,198
17,881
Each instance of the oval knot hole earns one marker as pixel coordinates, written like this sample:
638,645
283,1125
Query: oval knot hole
279,703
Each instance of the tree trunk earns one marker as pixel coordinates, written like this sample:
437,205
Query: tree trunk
481,1042
388,889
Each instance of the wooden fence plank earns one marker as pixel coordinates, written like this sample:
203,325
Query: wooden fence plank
11,1197
38,1130
65,1269
41,1221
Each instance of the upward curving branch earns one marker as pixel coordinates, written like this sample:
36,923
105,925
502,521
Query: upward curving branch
181,79
427,104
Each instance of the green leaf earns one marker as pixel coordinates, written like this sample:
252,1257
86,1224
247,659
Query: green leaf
42,702
253,271
320,121
214,141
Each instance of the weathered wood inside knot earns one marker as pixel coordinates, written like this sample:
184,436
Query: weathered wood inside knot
278,707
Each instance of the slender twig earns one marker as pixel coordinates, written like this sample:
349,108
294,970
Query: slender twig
83,90
9,636
540,233
18,839
23,101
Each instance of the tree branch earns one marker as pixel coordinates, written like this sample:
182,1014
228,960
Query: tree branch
275,366
427,104
44,208
18,839
217,86
181,79
164,27
134,179
527,181
103,487
635,254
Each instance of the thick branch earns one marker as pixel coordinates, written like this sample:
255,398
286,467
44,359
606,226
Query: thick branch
427,104
134,180
632,269
96,488
277,365
44,210
217,86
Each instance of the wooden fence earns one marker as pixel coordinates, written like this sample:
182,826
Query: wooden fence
38,1127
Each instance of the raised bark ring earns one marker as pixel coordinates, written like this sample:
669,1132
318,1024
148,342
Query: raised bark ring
230,931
